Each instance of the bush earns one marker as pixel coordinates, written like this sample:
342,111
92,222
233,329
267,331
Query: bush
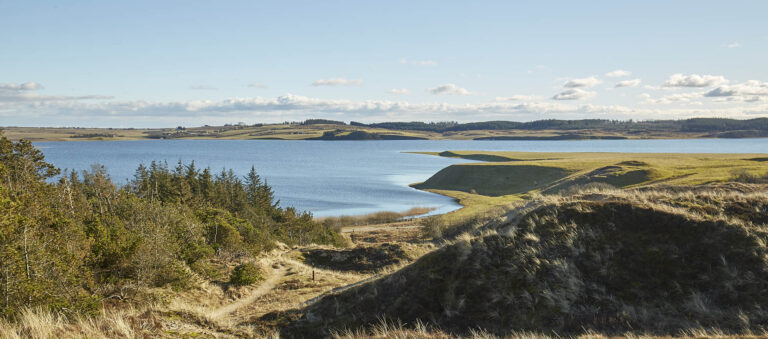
748,177
245,274
433,226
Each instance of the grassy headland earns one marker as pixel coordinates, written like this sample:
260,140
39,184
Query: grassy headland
319,129
504,177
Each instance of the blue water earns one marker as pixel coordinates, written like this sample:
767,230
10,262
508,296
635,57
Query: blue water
331,178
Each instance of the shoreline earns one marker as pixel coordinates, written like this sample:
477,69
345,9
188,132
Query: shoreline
538,130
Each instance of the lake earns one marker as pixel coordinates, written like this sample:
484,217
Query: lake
332,178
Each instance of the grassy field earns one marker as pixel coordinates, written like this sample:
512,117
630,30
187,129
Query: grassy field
303,132
505,177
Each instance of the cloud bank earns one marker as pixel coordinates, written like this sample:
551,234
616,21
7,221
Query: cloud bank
573,94
694,80
583,82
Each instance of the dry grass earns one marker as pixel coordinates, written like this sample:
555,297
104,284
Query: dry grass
395,329
124,323
373,218
664,260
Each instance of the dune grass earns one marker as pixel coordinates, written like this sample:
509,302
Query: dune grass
667,261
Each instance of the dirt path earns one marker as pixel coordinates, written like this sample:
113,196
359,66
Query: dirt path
263,289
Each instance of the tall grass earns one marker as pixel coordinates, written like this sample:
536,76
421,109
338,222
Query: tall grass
373,218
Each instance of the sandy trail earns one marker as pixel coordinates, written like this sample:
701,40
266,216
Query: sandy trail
263,289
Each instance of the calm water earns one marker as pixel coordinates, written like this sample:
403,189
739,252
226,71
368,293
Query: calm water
332,178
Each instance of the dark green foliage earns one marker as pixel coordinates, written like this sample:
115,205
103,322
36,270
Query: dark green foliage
62,241
322,122
245,274
720,124
367,259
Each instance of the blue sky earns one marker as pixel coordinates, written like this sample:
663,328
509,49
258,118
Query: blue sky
168,63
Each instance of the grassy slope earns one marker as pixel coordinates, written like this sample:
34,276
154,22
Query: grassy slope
658,262
509,176
299,132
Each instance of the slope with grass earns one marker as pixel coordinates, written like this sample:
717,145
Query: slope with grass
660,261
505,177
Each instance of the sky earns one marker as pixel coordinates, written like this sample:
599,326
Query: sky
191,63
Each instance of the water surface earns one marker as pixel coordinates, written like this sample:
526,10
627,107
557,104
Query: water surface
331,178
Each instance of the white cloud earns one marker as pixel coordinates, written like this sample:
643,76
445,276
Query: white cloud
619,73
21,105
573,94
338,82
449,89
694,80
628,83
582,82
676,98
517,97
733,45
11,92
399,91
430,63
257,85
27,86
750,91
294,107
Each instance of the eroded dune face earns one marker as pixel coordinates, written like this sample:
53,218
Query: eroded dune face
657,261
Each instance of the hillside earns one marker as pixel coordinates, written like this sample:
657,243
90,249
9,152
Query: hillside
321,129
514,173
657,262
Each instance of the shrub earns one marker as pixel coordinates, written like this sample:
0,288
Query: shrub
433,226
748,177
245,274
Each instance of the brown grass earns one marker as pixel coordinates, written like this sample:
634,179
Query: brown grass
666,261
373,218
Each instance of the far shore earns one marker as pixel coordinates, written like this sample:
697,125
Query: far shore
492,130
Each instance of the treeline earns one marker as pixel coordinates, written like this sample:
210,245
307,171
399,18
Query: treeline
68,242
688,125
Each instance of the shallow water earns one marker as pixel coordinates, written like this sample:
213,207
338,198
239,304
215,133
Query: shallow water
331,178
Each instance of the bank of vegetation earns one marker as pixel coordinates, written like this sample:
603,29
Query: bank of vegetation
73,242
661,261
373,218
